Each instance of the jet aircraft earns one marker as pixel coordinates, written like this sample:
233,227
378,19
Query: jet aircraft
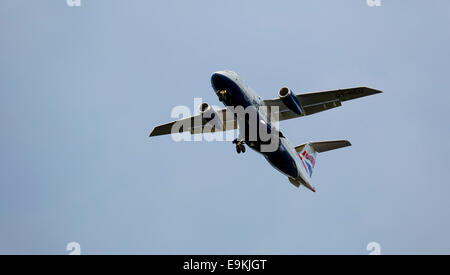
257,122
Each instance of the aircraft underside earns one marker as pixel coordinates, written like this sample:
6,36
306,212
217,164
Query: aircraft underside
248,113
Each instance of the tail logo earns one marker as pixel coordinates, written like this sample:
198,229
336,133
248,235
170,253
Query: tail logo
308,162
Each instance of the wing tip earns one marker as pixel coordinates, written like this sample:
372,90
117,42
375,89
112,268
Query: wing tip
372,91
153,132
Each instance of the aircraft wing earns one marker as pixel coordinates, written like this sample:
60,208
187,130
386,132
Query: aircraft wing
320,101
197,124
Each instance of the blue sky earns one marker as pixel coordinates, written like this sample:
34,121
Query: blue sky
82,87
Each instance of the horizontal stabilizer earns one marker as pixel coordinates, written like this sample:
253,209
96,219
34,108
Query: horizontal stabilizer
323,146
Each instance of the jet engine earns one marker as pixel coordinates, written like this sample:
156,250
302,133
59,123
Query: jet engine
210,116
290,100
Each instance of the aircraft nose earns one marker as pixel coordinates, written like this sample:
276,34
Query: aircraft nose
219,81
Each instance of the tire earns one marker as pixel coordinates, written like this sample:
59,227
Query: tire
238,149
243,149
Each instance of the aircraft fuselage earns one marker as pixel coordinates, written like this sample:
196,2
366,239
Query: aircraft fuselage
236,93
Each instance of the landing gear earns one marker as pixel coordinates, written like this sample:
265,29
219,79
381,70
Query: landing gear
222,94
239,146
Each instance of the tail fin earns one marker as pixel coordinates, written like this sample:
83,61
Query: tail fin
307,152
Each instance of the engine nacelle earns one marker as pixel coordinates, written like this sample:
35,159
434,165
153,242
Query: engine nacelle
290,100
210,116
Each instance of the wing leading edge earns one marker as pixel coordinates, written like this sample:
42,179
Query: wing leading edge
196,125
320,101
311,103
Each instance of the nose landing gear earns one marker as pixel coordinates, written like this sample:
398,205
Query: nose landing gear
239,146
222,94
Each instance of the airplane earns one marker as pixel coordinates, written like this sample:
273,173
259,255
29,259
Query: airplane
297,163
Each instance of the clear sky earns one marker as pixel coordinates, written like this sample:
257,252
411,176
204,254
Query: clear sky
82,87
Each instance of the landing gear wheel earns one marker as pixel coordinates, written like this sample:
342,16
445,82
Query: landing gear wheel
239,146
222,94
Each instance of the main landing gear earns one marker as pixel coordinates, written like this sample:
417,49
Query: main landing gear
239,146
